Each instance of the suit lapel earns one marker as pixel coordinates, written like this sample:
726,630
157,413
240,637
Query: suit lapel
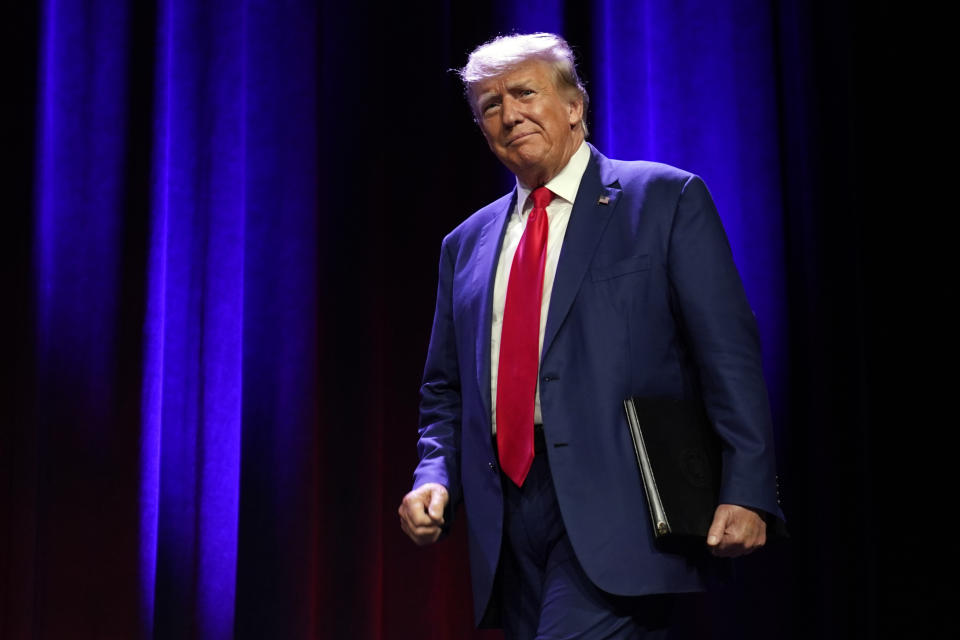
488,251
596,200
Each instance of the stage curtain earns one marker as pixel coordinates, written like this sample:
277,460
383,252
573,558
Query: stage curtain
224,225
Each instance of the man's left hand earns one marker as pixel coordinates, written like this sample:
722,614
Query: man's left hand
736,531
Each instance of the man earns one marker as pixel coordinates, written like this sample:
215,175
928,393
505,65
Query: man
553,305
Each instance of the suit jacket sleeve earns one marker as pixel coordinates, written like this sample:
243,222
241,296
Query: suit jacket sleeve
721,332
440,400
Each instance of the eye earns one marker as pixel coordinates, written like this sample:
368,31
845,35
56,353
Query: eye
493,104
527,92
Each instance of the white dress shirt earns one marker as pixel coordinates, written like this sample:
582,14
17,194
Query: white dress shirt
564,187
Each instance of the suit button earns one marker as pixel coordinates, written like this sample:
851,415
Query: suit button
492,466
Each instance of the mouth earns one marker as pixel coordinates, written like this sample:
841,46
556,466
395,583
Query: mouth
517,138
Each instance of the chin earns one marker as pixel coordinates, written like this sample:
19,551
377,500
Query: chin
527,160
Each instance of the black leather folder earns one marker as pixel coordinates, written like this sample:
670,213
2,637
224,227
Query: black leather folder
678,454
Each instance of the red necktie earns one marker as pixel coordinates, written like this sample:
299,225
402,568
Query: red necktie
520,344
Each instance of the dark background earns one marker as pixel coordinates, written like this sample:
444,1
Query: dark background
863,435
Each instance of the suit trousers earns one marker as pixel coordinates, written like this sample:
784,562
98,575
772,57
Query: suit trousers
545,594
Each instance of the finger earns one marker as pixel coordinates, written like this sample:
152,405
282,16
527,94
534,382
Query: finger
730,546
438,502
428,538
749,530
414,511
732,543
743,532
756,540
421,535
719,525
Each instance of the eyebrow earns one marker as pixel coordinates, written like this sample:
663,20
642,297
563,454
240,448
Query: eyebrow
523,81
483,97
516,84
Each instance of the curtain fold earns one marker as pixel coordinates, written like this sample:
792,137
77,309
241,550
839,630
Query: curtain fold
196,288
85,428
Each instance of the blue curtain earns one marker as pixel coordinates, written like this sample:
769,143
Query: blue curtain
228,281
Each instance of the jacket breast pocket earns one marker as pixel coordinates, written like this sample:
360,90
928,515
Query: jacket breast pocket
619,268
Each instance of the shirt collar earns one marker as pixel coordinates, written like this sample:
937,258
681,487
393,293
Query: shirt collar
566,183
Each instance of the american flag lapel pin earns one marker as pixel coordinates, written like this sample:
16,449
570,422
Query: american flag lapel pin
603,199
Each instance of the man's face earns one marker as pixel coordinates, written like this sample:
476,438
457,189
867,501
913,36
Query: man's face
530,126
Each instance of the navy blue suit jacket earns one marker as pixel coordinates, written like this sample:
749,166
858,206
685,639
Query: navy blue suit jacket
646,301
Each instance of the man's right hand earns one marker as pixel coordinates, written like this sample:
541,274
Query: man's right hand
421,512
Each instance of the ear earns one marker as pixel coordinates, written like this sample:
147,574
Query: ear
575,111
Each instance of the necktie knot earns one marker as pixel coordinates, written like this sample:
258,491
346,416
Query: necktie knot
541,197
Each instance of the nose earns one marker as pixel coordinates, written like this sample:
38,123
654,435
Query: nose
510,112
